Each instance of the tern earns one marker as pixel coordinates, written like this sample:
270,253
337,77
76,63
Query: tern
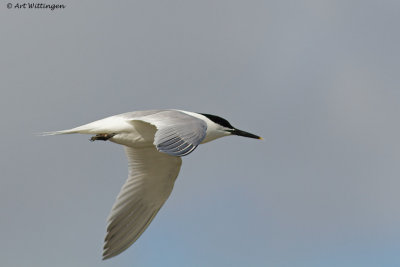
154,142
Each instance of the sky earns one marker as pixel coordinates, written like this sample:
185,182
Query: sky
317,79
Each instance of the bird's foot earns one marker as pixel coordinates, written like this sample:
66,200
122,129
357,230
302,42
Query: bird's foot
102,137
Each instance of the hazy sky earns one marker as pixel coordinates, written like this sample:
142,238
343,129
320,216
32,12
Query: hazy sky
319,80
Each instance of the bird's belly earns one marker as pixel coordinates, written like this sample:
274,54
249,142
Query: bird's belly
141,135
131,140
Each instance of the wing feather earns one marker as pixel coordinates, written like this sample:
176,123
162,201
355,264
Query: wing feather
151,178
178,133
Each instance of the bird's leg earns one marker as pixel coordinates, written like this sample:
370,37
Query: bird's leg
102,137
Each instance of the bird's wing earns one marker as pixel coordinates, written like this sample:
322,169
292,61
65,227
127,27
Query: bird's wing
151,178
178,133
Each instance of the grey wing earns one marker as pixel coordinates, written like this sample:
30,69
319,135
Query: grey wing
178,134
151,178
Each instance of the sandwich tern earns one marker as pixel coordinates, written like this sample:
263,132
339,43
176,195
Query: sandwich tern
154,142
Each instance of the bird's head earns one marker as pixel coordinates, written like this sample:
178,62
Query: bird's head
225,128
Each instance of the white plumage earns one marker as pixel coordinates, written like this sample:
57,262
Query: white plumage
154,141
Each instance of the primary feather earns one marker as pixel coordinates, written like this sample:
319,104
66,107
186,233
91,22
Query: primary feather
151,178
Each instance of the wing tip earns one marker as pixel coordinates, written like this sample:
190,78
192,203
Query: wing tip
106,255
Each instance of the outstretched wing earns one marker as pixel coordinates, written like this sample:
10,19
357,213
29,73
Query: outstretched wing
178,133
151,178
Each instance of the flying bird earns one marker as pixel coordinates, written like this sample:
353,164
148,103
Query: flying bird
154,142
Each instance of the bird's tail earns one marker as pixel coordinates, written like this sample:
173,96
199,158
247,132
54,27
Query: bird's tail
90,128
70,131
109,125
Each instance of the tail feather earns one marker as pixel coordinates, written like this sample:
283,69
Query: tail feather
57,132
109,125
84,129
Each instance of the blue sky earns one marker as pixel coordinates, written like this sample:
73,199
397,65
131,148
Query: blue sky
317,79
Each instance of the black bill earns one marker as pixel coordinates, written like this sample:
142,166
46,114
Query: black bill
245,134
